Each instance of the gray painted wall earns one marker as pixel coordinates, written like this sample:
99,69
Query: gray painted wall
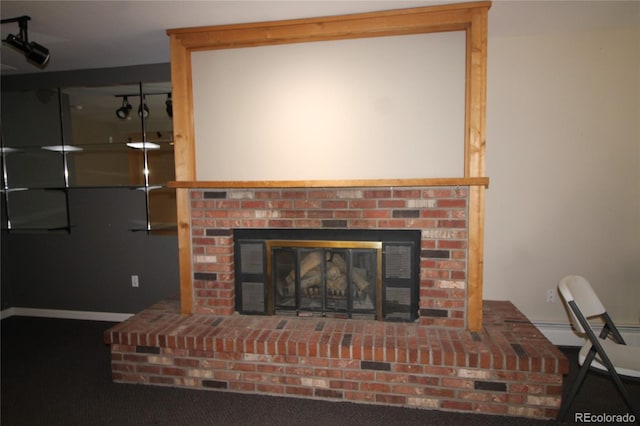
90,268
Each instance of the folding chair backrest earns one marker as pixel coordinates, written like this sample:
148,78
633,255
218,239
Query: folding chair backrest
577,288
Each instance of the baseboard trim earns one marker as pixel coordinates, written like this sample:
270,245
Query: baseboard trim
64,314
561,334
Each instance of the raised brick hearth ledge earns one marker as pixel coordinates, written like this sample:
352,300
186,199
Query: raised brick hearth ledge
508,368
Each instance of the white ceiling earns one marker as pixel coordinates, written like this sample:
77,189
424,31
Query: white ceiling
99,34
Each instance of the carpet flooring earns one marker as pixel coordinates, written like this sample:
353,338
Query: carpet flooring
57,372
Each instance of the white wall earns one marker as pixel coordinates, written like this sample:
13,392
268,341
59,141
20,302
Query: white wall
384,107
563,151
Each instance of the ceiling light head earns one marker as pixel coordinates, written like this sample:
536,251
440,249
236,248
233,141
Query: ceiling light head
35,53
143,109
123,112
38,54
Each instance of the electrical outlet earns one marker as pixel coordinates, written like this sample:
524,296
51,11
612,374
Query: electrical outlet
135,282
551,295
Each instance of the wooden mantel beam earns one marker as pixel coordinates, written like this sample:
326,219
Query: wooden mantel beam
351,183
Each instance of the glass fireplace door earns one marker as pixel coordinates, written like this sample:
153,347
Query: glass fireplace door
325,280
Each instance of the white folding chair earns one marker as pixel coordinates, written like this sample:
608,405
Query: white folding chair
607,352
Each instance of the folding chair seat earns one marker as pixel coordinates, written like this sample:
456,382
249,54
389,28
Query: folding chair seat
606,352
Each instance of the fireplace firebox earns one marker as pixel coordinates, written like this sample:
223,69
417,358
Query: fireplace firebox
372,274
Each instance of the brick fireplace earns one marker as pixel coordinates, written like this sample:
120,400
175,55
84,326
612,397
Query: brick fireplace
439,213
457,352
434,362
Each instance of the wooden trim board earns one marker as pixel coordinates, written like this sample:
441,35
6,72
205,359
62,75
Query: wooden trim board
351,183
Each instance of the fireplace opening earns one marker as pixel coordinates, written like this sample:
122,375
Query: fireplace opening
372,274
340,278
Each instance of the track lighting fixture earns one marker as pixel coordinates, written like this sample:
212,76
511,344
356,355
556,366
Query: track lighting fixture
143,109
125,109
35,53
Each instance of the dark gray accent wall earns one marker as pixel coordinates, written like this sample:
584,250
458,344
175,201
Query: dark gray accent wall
5,288
90,268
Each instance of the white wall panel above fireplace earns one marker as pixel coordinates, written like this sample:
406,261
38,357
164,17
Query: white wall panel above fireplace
384,107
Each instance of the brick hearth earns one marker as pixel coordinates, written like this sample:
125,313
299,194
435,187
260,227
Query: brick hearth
507,368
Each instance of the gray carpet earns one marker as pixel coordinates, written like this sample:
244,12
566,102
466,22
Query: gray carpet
57,372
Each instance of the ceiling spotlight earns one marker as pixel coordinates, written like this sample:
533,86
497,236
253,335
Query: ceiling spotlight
143,109
35,53
125,109
169,104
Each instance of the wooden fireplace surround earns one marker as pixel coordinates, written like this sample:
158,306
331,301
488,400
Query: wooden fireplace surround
469,17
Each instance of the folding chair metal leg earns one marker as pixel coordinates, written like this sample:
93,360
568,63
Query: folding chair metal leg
606,361
634,408
596,347
575,388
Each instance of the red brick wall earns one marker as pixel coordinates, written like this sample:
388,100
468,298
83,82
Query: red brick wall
439,212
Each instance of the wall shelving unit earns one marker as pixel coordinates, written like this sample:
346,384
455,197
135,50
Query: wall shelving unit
56,141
